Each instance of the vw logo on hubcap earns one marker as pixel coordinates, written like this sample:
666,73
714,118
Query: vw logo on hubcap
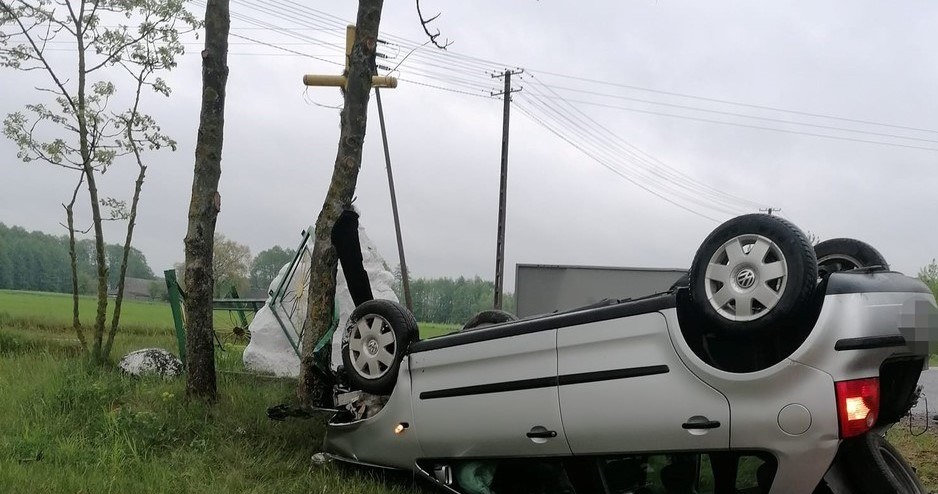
746,278
373,347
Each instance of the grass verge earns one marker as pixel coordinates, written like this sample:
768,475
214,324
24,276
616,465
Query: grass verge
67,427
919,447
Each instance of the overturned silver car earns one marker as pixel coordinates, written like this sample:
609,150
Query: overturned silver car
773,367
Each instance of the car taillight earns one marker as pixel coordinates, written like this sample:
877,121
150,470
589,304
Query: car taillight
857,405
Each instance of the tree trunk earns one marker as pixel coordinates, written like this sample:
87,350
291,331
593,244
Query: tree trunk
341,190
205,205
87,159
131,221
70,218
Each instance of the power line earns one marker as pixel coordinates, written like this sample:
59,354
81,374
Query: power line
607,155
462,74
656,165
749,126
285,49
735,103
692,187
318,20
734,114
611,168
442,88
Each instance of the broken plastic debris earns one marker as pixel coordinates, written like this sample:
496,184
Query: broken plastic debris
320,459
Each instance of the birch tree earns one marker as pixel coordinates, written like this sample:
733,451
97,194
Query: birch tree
74,124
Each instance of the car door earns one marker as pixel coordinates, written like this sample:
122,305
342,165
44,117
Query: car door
487,393
623,388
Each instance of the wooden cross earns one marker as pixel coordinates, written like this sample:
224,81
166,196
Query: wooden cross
342,80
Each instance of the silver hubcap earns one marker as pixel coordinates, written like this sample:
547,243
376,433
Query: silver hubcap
372,346
746,277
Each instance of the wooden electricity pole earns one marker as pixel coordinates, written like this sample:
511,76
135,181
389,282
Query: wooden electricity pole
503,187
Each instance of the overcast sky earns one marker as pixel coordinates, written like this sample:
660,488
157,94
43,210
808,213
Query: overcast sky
862,60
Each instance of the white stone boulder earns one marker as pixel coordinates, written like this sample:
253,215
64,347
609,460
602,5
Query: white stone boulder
151,361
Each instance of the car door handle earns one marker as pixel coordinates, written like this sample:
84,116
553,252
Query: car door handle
709,424
542,434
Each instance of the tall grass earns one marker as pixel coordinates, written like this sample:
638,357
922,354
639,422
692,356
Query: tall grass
69,427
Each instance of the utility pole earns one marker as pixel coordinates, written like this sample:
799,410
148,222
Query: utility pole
405,282
503,187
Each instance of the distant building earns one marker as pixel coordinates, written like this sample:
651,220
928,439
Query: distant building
136,288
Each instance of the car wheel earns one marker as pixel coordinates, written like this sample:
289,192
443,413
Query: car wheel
752,274
488,318
842,254
876,466
374,344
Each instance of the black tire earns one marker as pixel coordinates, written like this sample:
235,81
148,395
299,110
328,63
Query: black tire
876,466
842,254
488,318
374,343
758,291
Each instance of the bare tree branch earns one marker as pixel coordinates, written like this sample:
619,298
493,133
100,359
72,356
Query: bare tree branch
432,36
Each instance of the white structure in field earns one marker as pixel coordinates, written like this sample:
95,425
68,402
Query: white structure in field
270,350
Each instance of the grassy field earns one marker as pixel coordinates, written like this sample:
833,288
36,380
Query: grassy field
67,427
54,311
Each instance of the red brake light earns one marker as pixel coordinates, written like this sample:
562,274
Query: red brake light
857,405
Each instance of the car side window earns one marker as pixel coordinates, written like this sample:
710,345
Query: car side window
512,476
687,473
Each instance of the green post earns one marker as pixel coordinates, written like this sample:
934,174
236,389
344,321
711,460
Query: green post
175,303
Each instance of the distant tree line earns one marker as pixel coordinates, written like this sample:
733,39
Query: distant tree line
451,300
40,262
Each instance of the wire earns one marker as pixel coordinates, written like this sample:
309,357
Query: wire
734,114
607,157
656,164
322,21
637,167
286,49
442,88
759,127
472,84
611,168
462,74
729,102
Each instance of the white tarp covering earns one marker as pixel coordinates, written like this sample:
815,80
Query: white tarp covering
270,350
